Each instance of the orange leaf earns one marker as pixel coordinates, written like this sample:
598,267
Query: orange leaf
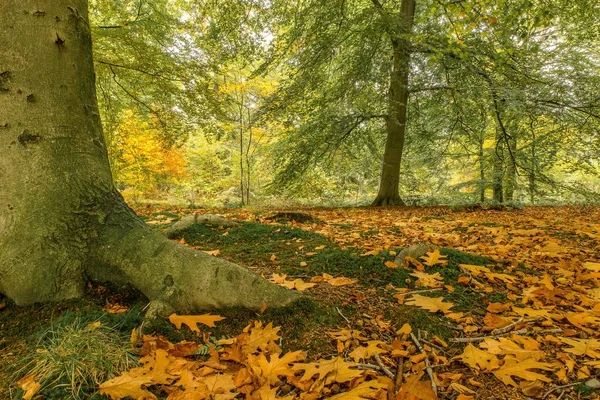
192,320
341,281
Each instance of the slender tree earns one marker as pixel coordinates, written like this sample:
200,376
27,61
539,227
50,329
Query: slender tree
62,221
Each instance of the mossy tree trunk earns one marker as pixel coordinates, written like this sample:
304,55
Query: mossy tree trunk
61,220
397,107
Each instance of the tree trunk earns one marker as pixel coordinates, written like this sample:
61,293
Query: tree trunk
62,222
397,106
498,173
511,168
482,182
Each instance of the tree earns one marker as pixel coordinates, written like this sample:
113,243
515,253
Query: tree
61,219
398,32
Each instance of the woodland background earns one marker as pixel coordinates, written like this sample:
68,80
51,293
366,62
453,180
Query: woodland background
281,103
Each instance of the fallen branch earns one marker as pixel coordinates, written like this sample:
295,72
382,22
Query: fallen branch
549,392
508,327
368,366
399,375
523,331
427,364
384,368
343,316
420,291
480,338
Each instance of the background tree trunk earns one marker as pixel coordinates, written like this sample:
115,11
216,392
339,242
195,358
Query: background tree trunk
498,168
397,106
61,219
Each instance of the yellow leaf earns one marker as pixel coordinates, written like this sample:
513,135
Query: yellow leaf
191,321
431,304
269,371
29,385
341,281
391,264
434,258
406,329
213,252
127,385
368,388
93,326
476,358
416,389
580,347
512,367
301,286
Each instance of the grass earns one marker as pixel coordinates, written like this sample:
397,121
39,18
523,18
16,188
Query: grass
73,357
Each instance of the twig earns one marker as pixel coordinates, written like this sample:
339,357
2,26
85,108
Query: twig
384,368
368,366
480,338
419,291
427,364
549,392
399,375
523,331
507,328
343,316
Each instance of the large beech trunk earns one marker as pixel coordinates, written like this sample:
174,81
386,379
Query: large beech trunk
61,220
397,106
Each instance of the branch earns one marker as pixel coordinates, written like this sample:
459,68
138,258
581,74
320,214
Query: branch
427,365
431,88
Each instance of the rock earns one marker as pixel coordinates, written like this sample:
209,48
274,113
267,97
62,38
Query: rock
189,220
593,383
417,251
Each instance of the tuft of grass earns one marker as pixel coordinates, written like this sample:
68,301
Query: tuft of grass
73,358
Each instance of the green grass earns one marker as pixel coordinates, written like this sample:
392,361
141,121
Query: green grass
73,356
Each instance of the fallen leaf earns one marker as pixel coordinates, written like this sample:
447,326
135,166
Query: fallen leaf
476,358
434,258
512,367
29,385
192,321
431,304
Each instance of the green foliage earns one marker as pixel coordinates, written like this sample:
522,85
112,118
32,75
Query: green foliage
281,101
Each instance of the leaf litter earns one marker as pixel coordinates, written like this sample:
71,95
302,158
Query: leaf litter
540,339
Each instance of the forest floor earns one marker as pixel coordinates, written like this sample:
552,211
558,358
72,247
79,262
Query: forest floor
507,308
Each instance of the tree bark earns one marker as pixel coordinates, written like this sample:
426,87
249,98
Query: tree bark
511,169
62,222
498,170
397,108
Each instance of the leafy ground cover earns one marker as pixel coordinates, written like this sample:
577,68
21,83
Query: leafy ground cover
508,307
